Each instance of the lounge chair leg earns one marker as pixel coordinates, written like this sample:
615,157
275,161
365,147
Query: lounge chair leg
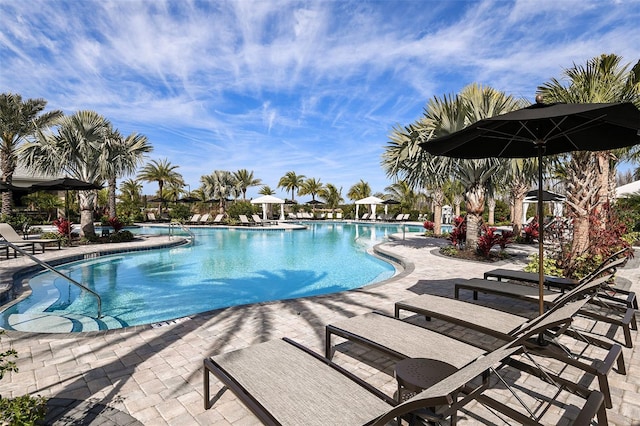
206,386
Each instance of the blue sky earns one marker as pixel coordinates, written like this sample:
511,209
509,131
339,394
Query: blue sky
273,86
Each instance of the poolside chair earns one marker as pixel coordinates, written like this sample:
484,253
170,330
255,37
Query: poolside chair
204,219
508,326
329,216
194,219
399,339
399,217
338,215
244,221
284,383
10,235
258,220
610,293
151,217
218,219
617,314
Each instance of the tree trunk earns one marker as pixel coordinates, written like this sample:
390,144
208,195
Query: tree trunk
492,211
582,190
517,191
87,203
8,167
475,208
112,197
457,200
438,201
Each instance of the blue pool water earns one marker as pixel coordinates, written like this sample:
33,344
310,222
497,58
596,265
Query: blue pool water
224,267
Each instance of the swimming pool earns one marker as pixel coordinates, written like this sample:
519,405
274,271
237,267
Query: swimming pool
224,267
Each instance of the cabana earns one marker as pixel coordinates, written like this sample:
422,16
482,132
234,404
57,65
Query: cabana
373,201
269,199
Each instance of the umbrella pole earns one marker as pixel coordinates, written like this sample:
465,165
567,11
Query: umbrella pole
540,233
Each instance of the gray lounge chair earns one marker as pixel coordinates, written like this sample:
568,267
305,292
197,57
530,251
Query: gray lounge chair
399,339
508,327
283,383
259,221
244,220
620,314
10,235
194,219
218,219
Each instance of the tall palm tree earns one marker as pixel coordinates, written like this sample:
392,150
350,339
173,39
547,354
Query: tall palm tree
131,191
602,80
311,186
162,172
18,122
219,185
245,180
73,149
291,182
121,158
266,190
359,191
331,195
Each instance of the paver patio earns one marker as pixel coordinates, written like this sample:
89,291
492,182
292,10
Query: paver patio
154,374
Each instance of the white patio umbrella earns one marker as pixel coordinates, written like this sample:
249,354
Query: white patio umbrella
269,199
372,201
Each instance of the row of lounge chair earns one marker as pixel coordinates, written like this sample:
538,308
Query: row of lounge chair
282,382
205,219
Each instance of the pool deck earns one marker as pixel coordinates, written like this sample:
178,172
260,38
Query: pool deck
153,375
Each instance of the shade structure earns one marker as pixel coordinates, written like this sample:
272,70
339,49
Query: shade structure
539,130
547,196
158,200
372,201
4,187
269,199
65,184
314,202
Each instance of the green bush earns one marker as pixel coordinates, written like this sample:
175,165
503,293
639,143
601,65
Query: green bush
180,211
242,207
121,237
549,265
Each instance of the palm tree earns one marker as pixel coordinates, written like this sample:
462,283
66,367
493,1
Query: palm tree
602,80
521,173
18,121
219,185
121,158
311,186
245,180
74,149
291,182
359,191
130,191
402,192
162,172
266,190
331,195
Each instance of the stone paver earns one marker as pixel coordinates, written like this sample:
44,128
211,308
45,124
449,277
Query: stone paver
154,375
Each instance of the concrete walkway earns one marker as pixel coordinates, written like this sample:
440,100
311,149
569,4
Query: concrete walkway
154,375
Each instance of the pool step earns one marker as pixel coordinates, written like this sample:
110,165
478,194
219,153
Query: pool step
54,322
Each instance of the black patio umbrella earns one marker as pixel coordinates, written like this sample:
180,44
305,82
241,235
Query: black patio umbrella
547,196
314,202
389,202
543,129
65,184
158,200
4,187
188,200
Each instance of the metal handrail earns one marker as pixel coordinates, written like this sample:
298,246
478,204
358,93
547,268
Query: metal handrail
52,269
184,228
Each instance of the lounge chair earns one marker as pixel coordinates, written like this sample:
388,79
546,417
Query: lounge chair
258,220
244,221
338,216
399,339
365,216
151,217
284,383
194,219
292,216
507,326
218,219
610,293
10,235
329,216
204,219
620,315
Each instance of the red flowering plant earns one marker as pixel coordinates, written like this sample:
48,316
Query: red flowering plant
531,231
428,225
64,226
116,224
490,238
458,235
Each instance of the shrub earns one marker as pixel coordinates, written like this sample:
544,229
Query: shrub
116,224
428,225
531,231
121,237
64,226
549,265
458,234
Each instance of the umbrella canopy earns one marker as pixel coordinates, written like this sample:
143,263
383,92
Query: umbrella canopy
188,200
547,196
543,129
314,202
4,187
65,184
387,203
158,200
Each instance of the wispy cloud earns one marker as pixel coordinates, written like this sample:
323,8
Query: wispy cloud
313,87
